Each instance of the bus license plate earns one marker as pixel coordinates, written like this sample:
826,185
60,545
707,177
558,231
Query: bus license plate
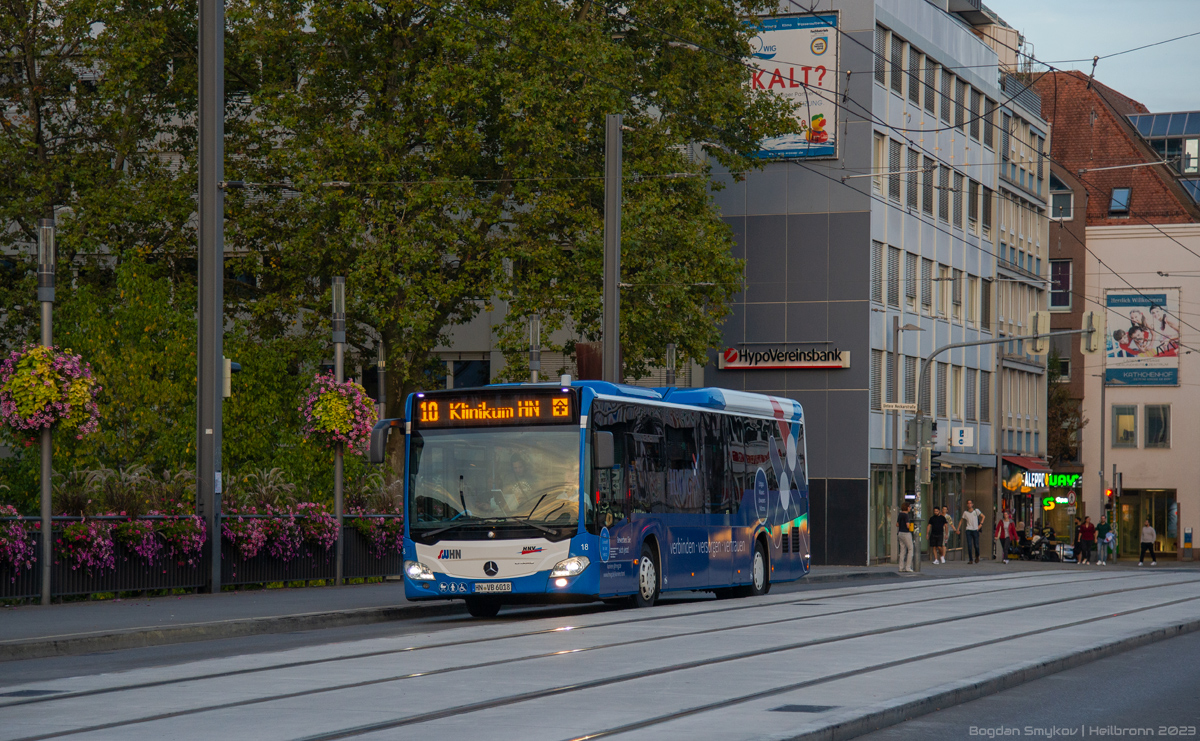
493,586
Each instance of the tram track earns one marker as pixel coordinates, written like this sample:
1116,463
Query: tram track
549,631
631,676
641,618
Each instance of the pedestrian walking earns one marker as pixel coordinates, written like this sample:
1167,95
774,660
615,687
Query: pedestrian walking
904,531
1075,542
1148,538
1006,533
1087,539
974,519
1104,540
938,524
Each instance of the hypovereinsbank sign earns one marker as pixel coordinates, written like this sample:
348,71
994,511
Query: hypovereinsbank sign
774,358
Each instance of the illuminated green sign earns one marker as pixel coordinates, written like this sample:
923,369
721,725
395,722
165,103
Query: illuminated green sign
1051,480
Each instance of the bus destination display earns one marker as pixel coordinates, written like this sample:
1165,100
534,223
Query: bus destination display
495,410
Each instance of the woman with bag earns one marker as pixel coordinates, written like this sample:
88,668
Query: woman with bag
1006,533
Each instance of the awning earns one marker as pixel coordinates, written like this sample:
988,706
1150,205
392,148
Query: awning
1036,465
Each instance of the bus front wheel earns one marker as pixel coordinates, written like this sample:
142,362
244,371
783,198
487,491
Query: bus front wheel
648,578
760,575
483,608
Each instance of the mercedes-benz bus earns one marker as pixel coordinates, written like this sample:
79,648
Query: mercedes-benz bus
539,493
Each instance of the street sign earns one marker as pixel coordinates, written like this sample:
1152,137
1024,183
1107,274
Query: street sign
892,406
962,437
1071,510
1071,498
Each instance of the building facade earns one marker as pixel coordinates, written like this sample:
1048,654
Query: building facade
1142,245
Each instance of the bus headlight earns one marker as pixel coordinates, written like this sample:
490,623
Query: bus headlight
570,567
417,571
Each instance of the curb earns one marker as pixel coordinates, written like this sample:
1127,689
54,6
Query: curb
974,690
81,643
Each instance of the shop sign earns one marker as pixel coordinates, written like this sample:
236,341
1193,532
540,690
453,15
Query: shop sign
1041,480
1049,503
776,358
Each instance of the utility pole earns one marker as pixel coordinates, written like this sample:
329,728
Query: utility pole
339,362
47,264
895,424
611,325
210,280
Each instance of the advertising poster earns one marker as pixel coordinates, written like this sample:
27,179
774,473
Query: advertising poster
796,56
1143,337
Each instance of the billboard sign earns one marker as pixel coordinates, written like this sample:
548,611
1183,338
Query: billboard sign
776,358
1142,346
796,56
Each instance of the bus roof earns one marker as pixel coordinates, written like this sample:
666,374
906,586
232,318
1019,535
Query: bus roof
727,400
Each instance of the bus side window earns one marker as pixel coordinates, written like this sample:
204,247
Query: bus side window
801,463
716,463
647,459
735,480
684,490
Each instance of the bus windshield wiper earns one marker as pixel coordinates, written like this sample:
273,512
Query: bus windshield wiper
521,521
456,522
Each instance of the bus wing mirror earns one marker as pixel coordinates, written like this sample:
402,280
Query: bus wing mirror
379,438
602,450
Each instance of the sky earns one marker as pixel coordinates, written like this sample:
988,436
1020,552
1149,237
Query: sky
1162,78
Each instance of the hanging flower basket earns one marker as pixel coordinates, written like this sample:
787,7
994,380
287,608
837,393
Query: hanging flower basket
338,413
44,386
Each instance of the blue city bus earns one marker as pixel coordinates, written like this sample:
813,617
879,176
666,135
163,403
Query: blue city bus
542,493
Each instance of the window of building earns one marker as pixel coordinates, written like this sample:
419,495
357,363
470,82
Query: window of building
926,394
877,162
914,69
973,205
910,279
944,193
941,390
985,396
931,71
987,211
913,178
897,65
985,306
881,35
975,102
972,298
947,94
877,379
910,379
958,199
960,105
1119,204
894,149
969,392
893,287
1158,425
877,271
989,123
1061,199
1124,426
942,297
1005,125
1060,284
927,284
956,392
956,290
1190,162
1040,144
927,176
891,381
1060,348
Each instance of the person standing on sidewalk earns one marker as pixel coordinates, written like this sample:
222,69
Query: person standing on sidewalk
1006,533
1087,539
1148,538
938,524
904,537
974,519
1103,540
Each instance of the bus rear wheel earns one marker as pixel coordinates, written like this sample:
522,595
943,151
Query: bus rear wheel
483,608
648,578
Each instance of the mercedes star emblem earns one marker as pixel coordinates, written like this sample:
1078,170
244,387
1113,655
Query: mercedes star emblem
490,568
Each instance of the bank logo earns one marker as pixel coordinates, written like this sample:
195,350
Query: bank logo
450,554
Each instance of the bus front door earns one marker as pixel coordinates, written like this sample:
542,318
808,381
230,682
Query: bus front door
618,574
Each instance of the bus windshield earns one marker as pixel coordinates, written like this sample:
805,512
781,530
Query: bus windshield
516,475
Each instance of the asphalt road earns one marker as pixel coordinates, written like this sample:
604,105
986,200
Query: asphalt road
1155,687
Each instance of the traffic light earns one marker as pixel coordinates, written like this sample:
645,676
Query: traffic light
1092,340
1108,495
1039,324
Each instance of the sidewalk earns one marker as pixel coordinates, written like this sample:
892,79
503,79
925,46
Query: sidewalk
33,631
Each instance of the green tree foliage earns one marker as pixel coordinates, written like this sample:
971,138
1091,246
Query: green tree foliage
446,157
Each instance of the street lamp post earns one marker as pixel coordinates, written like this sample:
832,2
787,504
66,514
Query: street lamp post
339,343
47,258
670,363
896,330
535,347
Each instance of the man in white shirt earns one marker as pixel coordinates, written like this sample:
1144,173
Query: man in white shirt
974,520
